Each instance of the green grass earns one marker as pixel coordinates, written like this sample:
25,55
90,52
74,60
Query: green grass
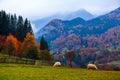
30,72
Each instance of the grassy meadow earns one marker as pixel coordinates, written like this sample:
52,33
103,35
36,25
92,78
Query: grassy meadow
32,72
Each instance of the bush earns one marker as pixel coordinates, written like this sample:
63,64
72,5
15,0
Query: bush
32,52
83,65
116,68
108,67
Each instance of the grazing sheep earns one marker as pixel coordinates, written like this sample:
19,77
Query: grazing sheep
92,66
57,64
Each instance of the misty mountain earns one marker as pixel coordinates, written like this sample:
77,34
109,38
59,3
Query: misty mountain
68,16
80,13
78,28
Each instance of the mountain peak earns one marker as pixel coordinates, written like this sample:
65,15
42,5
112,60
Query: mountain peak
56,20
78,19
79,13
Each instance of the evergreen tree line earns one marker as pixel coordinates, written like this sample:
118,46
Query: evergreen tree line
18,27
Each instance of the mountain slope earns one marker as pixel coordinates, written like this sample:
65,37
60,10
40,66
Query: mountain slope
56,28
93,40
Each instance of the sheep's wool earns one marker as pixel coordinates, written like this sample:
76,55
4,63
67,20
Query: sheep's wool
57,64
91,66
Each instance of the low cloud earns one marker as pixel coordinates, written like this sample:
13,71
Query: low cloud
36,9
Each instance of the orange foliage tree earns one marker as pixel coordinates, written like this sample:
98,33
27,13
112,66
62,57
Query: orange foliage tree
2,43
12,45
45,55
29,47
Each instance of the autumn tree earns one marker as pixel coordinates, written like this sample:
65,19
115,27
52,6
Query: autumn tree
29,47
2,43
12,45
70,56
19,51
32,52
45,55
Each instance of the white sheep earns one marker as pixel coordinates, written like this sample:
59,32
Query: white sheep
92,66
57,64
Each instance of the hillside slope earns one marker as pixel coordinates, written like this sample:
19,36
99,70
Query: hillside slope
77,28
93,40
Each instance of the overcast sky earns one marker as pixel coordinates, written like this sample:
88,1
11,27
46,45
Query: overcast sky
36,9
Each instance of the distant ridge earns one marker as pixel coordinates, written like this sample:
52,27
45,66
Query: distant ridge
80,13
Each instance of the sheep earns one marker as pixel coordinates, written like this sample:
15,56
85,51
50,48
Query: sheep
92,66
57,64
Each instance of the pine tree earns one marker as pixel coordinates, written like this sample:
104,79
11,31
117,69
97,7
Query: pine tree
30,28
23,27
4,23
27,27
44,50
43,44
12,24
20,29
